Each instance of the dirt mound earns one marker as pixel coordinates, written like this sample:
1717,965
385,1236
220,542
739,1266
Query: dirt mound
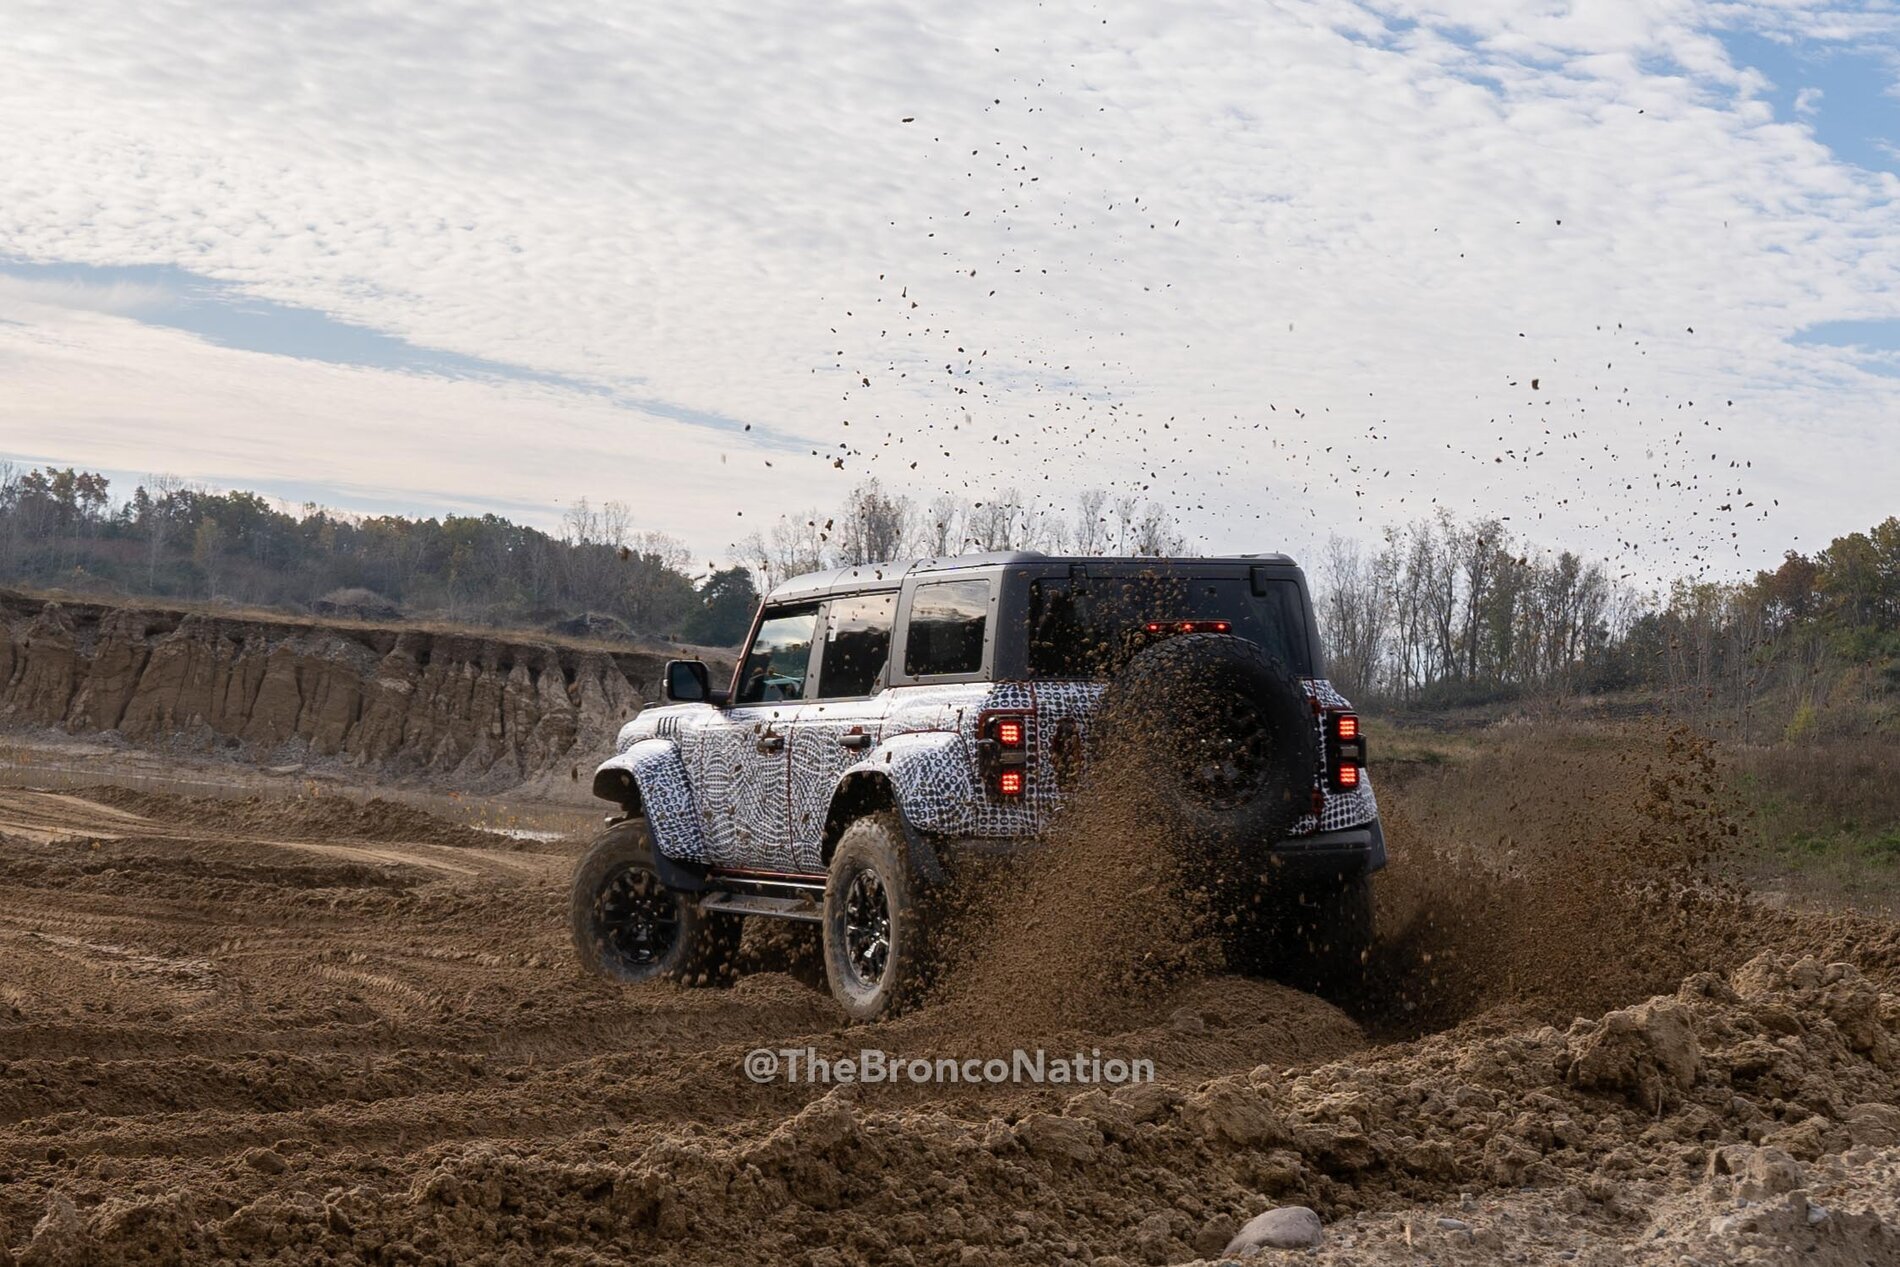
1657,1113
321,817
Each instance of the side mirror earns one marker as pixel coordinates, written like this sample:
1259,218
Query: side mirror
687,683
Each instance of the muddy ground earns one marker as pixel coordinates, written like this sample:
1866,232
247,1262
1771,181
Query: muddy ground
322,1028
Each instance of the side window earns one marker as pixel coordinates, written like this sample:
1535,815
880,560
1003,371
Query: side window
857,645
780,657
1283,625
946,628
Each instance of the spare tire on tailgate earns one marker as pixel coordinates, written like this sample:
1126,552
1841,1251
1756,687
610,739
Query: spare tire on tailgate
1219,732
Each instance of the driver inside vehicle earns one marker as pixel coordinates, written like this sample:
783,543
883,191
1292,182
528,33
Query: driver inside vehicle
775,667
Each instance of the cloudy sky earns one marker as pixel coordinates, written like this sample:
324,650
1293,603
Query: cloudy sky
1624,271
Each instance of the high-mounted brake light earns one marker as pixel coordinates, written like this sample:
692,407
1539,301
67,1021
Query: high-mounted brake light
1187,626
1010,782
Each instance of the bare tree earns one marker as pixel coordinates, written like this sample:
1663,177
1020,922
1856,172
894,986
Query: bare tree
1356,610
875,527
1091,521
1155,533
1125,510
943,526
162,492
999,522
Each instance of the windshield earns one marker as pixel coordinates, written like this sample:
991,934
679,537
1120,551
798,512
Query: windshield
1090,630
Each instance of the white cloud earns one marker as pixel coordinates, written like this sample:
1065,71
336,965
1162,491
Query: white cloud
722,211
124,297
121,395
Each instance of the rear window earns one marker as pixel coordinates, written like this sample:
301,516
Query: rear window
947,621
1091,631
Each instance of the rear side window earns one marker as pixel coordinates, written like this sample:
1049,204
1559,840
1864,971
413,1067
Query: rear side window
947,621
857,645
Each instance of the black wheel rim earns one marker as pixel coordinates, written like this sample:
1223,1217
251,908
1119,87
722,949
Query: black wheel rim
638,919
867,928
1230,754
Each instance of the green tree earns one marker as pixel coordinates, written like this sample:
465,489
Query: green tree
723,613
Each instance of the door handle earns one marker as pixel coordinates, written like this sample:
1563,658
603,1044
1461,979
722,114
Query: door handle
858,742
771,743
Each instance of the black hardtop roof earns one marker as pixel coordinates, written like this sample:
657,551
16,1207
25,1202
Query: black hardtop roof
871,576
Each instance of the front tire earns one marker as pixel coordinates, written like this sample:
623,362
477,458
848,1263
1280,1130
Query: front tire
875,957
631,928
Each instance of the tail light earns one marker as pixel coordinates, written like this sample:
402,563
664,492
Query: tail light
1345,750
1003,752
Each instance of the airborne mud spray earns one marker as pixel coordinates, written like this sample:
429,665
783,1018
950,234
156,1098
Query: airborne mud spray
1537,882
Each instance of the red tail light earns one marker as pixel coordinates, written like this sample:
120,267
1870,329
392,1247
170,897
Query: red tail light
1003,751
1345,750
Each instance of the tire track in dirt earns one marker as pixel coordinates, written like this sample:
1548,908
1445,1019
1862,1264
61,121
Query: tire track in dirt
226,1037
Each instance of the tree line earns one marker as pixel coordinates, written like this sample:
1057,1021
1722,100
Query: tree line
1446,612
1442,612
600,572
170,539
1437,612
875,525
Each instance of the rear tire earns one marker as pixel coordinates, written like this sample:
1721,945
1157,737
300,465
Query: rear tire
875,953
1314,934
629,927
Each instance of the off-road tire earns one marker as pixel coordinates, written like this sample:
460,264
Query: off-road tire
871,867
628,927
1221,736
1314,934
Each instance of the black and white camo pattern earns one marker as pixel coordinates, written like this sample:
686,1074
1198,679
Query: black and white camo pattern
933,773
1340,810
717,798
666,796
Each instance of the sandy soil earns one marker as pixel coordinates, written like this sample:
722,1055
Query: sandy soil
308,1030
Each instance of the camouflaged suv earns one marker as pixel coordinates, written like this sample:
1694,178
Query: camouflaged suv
885,721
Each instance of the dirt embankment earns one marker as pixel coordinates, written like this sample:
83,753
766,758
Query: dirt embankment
488,711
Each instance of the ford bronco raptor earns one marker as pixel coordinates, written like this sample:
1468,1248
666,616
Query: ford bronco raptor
885,722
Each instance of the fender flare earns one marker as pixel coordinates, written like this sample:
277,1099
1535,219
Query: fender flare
665,797
931,783
931,773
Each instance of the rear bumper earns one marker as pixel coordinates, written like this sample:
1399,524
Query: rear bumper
1358,849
